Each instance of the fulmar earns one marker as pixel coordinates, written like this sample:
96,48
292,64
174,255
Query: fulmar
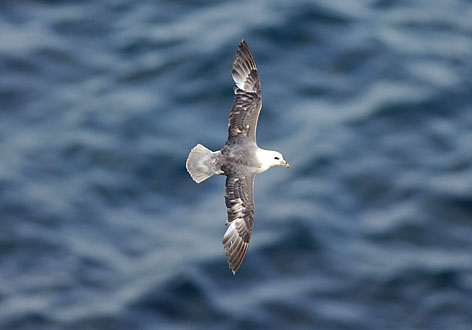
240,159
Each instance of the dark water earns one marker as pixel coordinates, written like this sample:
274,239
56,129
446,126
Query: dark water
102,228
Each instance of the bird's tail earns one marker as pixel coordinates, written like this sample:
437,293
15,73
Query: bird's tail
201,163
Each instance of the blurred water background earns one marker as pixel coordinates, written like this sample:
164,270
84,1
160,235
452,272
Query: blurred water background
102,228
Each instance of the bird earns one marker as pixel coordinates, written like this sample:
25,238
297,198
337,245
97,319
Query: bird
240,159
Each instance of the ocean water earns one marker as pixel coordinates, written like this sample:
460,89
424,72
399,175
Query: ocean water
102,228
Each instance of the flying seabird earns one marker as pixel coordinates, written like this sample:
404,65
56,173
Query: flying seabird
240,159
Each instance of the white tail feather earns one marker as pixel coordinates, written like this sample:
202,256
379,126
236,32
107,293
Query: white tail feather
199,163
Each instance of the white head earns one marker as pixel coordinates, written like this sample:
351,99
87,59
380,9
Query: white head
269,158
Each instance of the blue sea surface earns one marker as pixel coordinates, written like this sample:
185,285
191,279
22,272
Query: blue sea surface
102,227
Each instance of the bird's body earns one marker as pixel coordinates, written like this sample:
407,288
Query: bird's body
240,159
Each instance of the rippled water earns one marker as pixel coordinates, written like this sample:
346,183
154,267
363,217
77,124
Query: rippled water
102,228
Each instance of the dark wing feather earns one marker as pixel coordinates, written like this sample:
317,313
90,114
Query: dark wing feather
247,101
240,206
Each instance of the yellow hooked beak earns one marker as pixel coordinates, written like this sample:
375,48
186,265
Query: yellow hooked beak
287,165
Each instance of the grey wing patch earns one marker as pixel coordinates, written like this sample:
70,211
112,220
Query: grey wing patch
247,101
240,206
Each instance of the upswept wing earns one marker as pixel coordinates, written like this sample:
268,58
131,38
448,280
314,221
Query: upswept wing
247,101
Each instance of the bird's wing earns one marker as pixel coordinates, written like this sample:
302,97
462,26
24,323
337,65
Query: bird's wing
247,101
240,205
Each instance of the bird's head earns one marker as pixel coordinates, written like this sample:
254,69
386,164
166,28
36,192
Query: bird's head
269,158
278,160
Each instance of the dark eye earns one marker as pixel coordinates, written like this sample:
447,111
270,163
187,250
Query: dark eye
277,158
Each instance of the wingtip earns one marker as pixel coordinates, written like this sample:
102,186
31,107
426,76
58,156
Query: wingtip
234,271
244,70
243,44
